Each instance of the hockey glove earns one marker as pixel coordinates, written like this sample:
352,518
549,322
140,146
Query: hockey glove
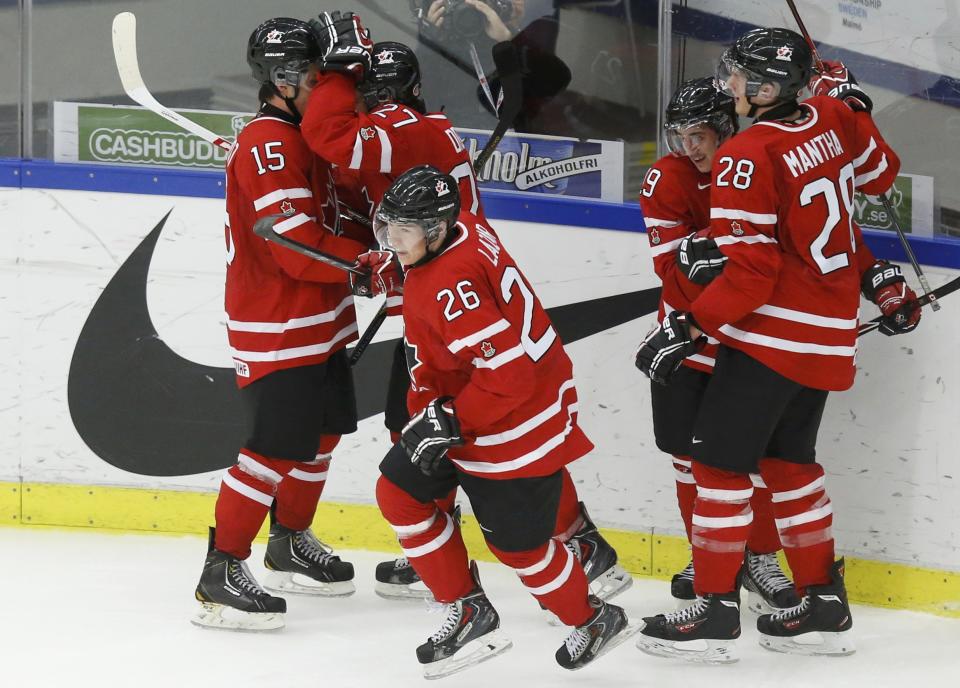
663,350
837,81
382,274
699,259
430,433
884,284
345,46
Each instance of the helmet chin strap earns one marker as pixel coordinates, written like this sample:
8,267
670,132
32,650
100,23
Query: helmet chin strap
779,111
289,101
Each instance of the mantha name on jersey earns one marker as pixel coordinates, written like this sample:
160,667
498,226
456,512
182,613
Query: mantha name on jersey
675,200
781,211
475,331
283,309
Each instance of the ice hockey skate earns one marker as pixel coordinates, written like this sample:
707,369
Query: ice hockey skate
820,625
230,597
769,588
599,560
705,631
607,628
470,634
301,564
681,586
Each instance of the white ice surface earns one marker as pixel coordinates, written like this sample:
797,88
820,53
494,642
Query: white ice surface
92,609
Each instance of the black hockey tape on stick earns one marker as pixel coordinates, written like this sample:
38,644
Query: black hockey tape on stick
368,335
263,228
507,59
354,215
929,298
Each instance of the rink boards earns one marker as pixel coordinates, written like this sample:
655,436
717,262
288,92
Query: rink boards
887,445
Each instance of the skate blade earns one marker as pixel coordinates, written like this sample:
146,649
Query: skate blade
399,591
476,651
627,632
226,618
611,583
298,584
701,651
815,643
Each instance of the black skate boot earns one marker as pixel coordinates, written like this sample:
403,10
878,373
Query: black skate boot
397,580
768,586
231,598
820,625
599,560
302,564
469,634
681,586
705,631
607,628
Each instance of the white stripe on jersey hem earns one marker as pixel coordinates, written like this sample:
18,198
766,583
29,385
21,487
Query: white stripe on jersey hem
253,467
868,177
279,195
657,222
705,360
416,528
500,359
719,495
542,564
531,423
808,318
295,352
737,214
246,490
520,461
293,323
752,239
478,336
665,248
805,517
787,344
723,521
862,158
291,223
808,489
435,544
386,151
557,582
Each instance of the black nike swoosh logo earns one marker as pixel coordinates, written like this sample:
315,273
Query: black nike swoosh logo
145,409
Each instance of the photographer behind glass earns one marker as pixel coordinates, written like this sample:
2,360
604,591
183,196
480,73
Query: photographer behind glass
448,29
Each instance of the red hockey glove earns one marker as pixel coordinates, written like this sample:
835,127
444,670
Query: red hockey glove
884,284
663,350
430,433
699,259
383,274
837,81
345,46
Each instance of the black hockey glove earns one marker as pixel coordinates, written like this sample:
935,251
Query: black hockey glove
699,259
884,284
663,350
430,433
345,46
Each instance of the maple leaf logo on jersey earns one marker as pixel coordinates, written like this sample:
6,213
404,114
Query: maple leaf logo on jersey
367,133
736,228
275,36
287,208
384,57
487,349
784,53
442,188
654,236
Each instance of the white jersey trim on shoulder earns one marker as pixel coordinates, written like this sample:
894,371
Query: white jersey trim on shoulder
279,195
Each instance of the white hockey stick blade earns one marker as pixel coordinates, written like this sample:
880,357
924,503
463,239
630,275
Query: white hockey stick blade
125,54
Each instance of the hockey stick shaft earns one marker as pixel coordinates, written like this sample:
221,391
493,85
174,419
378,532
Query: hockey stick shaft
886,201
263,228
929,298
507,60
368,335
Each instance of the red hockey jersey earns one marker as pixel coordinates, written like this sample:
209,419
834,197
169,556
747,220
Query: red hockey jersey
781,210
475,331
283,309
386,142
675,199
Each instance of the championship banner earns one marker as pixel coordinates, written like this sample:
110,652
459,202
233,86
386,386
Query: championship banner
912,200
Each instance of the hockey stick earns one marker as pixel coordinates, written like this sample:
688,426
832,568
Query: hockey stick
507,59
930,298
924,284
263,228
368,335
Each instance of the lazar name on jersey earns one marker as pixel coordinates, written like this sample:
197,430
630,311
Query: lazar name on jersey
475,331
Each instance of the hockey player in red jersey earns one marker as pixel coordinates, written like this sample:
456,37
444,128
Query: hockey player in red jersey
289,320
675,199
785,310
494,411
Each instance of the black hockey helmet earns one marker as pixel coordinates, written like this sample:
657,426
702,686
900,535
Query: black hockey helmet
768,56
422,195
394,77
698,101
280,50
